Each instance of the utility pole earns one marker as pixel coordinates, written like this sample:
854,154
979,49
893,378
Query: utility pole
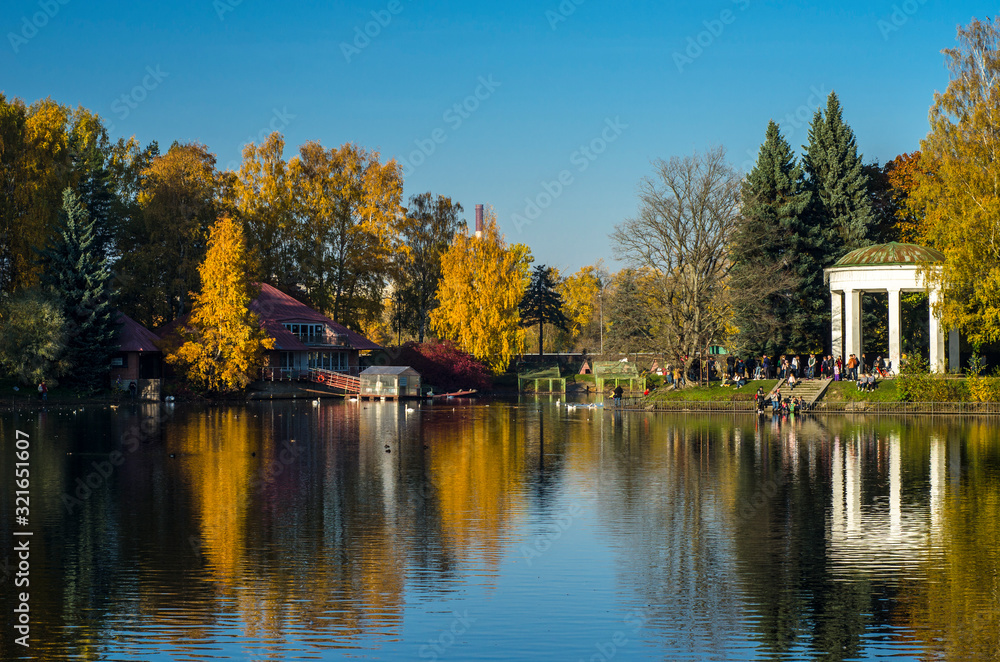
600,298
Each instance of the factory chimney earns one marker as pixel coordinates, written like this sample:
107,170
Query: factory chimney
479,221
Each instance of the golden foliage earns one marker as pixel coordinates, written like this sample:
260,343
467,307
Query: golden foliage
166,241
37,144
983,389
957,187
349,205
327,219
902,173
580,296
224,344
482,282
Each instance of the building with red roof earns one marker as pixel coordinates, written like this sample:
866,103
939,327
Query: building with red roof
304,338
138,359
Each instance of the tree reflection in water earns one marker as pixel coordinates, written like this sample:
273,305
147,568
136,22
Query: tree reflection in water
283,530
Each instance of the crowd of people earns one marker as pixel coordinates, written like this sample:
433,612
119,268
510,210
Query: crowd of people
779,405
736,371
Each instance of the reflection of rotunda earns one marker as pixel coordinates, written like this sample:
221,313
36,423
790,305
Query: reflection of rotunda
892,268
883,535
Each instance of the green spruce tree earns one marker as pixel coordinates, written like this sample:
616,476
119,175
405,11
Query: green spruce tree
841,218
773,258
542,303
76,271
95,188
839,183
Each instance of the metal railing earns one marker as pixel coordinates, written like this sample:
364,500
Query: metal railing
294,374
322,340
282,374
856,407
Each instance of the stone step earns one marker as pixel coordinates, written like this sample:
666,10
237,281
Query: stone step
808,390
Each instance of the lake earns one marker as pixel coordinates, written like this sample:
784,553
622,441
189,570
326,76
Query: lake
501,530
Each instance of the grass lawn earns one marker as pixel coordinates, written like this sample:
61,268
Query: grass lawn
714,393
886,391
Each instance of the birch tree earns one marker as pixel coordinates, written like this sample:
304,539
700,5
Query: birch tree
957,186
482,282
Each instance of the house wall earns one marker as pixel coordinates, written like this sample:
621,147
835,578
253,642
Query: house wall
128,371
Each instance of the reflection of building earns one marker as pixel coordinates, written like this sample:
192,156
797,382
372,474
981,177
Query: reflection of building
868,532
138,359
304,338
390,382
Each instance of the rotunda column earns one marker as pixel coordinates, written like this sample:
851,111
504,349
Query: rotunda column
895,333
852,323
936,333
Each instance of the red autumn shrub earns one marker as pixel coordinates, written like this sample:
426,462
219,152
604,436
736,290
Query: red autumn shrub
445,367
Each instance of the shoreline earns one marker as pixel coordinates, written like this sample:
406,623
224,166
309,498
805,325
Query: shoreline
879,408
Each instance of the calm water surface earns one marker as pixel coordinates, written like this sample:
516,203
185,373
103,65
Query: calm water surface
501,531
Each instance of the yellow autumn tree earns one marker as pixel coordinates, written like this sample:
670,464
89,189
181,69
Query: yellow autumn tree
957,187
482,282
223,343
580,292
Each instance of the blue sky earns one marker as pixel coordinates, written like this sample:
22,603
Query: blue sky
588,91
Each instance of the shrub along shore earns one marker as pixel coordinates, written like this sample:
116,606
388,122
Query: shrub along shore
912,389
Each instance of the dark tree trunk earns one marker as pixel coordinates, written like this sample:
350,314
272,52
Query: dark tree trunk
540,326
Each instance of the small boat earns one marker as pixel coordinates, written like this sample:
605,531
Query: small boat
457,394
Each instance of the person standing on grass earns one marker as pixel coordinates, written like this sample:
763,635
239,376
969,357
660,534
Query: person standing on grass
836,371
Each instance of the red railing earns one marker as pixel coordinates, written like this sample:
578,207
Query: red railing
337,380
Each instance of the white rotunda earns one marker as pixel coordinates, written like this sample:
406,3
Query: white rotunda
892,268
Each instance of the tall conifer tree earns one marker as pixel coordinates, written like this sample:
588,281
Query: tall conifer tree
839,184
542,302
77,271
773,256
840,216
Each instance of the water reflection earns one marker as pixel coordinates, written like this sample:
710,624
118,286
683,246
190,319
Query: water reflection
294,531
